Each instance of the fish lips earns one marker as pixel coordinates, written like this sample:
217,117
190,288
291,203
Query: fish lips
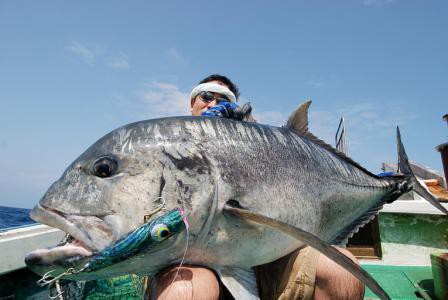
70,254
92,231
57,259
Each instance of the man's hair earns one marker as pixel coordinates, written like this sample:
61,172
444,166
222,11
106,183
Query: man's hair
232,87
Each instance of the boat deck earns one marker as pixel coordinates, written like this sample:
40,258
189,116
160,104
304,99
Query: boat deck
402,282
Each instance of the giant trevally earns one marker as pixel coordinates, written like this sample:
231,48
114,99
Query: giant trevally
212,168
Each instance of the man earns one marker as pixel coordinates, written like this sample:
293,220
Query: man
199,105
216,95
303,274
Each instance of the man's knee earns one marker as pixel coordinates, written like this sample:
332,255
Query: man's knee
334,282
188,282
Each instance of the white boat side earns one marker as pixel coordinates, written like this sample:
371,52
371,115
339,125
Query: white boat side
15,243
411,229
422,207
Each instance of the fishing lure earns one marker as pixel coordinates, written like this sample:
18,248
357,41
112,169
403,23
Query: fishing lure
142,238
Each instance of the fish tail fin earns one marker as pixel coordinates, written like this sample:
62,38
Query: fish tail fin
405,168
403,162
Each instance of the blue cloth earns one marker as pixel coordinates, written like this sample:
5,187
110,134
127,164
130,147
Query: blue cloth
386,174
223,109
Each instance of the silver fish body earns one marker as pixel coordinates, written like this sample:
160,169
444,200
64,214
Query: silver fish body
200,164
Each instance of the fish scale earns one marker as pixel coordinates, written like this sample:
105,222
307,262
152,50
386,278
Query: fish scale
293,153
205,164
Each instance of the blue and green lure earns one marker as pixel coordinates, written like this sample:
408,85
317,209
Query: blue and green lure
144,237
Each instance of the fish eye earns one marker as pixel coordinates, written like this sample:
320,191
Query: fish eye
105,167
160,232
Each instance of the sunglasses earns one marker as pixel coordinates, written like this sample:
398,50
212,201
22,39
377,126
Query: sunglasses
209,97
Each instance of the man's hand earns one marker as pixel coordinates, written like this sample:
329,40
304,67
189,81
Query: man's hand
229,110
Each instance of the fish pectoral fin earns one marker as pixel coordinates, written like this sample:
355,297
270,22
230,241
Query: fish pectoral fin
313,241
240,282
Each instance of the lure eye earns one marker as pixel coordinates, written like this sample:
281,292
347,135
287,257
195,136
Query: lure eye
160,232
105,167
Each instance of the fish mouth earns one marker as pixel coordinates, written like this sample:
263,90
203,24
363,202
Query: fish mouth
86,235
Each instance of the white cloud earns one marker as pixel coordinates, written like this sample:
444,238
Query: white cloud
93,53
363,120
274,118
323,124
315,83
120,61
87,53
370,130
327,81
377,2
164,99
176,55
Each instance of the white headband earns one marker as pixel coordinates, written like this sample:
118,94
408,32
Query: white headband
214,88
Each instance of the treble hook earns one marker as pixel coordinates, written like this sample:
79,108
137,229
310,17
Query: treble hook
49,280
45,280
147,217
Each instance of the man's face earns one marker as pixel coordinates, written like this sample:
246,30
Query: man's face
198,105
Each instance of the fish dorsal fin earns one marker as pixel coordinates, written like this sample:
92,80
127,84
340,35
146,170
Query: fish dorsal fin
298,120
240,282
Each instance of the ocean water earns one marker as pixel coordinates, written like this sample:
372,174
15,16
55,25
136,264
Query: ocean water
14,217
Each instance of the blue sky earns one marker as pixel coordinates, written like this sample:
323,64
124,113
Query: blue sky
72,71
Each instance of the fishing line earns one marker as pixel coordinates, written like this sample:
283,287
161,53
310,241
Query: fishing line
187,227
59,291
187,235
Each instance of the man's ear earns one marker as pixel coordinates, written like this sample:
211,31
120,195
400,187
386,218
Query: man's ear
192,102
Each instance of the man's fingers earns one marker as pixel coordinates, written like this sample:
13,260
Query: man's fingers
242,112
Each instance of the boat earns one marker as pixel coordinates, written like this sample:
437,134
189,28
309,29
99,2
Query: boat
401,245
405,247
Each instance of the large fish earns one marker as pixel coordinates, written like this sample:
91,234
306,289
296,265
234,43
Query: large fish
215,169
